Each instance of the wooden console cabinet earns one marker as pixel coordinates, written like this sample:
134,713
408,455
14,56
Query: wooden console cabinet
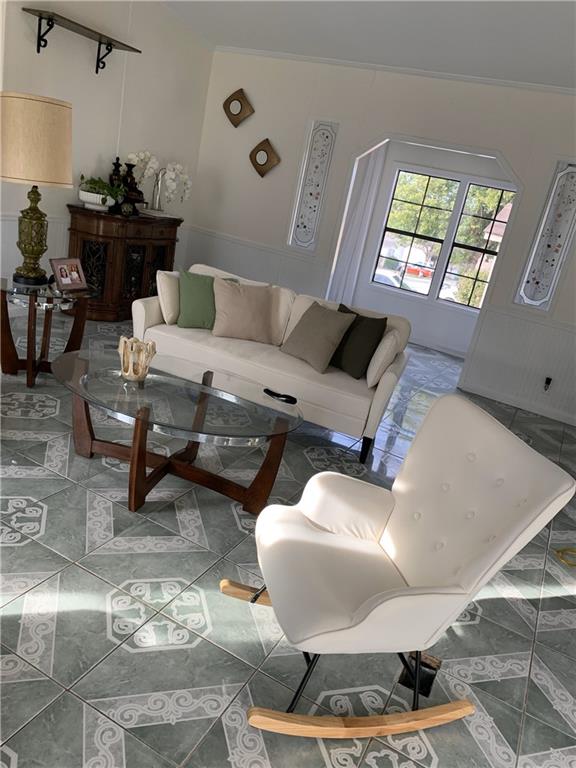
120,257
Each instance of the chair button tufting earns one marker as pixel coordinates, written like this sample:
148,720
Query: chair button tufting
471,456
417,515
490,539
439,545
445,487
470,514
499,482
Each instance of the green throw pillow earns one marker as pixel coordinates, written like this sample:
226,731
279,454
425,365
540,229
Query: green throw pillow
197,306
358,344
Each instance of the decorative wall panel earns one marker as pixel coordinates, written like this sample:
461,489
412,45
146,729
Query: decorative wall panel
552,242
312,185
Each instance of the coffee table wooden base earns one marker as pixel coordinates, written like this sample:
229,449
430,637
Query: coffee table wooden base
253,497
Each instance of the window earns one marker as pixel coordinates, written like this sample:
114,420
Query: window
442,227
473,254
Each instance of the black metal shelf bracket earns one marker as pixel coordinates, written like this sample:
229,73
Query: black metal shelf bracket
100,63
41,41
47,20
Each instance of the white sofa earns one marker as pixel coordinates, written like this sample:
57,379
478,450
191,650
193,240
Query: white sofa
332,399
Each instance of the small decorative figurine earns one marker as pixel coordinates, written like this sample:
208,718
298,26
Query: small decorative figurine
135,357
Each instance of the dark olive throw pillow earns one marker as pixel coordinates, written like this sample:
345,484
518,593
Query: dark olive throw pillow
358,344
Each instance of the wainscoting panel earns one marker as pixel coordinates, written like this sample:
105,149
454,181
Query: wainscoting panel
303,273
512,357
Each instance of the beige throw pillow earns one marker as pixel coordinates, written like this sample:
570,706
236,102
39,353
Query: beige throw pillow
167,284
317,335
243,311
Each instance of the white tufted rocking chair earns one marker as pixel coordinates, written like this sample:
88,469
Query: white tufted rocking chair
354,568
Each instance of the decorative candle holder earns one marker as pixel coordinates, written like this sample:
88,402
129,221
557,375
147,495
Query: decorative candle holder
135,357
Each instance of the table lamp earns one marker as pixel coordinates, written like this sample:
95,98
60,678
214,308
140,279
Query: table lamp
36,148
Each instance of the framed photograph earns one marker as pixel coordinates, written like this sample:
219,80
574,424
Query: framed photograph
68,273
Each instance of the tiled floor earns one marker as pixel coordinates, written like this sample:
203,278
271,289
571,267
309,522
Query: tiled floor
118,650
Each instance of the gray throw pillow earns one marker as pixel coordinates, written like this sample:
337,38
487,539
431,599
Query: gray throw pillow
317,335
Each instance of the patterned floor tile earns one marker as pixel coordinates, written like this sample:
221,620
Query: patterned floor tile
20,476
24,563
166,685
552,690
246,556
207,518
542,434
150,562
248,631
25,692
486,739
487,656
545,747
58,455
557,625
509,601
340,683
21,434
73,522
71,734
67,624
391,439
501,411
113,484
379,755
232,742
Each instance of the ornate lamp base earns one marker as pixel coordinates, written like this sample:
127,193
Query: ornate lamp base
32,231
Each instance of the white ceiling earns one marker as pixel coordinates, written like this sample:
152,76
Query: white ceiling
523,42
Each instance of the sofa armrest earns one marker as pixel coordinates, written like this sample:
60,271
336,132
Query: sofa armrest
383,393
145,314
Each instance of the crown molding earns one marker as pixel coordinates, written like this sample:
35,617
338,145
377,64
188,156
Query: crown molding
398,70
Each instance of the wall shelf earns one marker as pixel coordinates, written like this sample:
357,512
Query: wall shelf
47,20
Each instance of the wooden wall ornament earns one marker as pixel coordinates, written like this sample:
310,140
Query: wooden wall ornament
264,157
237,107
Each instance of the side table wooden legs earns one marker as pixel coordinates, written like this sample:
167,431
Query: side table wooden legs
34,364
8,353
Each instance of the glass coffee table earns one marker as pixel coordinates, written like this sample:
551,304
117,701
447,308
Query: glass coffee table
216,407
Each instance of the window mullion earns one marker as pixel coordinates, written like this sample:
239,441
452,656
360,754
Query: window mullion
449,237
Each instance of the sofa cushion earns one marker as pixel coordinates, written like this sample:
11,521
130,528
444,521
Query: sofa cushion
383,357
317,336
243,311
358,344
168,286
282,299
332,398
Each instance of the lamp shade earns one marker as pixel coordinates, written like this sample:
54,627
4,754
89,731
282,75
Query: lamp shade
35,140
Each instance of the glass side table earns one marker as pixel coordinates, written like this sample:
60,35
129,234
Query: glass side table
47,299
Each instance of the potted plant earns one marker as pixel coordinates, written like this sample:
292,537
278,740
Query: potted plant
99,195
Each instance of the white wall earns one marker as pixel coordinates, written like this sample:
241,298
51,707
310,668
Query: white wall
241,221
153,100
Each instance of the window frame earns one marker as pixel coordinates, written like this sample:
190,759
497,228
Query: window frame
465,180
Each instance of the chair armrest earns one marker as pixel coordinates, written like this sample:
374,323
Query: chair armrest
384,390
145,314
